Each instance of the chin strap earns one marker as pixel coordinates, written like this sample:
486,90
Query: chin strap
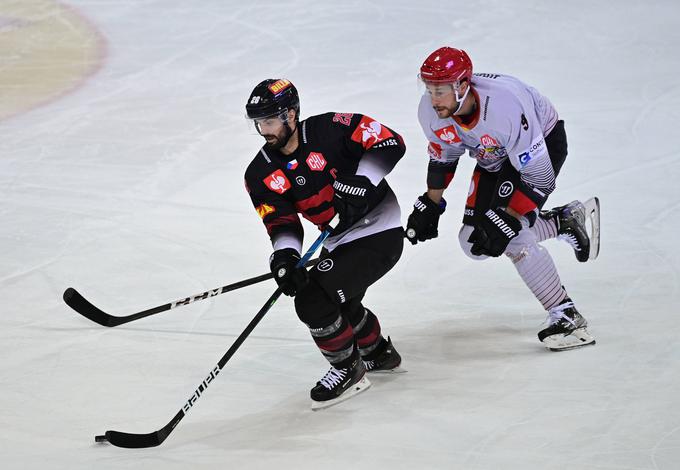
460,100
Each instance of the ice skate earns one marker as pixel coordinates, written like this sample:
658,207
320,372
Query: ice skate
339,384
571,227
567,328
388,361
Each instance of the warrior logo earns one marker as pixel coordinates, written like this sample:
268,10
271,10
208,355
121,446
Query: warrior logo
325,265
370,132
448,134
277,182
505,189
316,162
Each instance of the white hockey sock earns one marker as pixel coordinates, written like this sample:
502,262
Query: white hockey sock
544,229
535,265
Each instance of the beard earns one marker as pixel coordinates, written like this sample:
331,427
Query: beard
276,142
443,112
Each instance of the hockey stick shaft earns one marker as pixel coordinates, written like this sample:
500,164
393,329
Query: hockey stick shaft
80,304
153,439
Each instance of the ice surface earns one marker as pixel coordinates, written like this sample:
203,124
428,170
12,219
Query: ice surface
130,189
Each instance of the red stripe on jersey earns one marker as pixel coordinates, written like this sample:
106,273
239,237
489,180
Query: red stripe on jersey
325,195
283,220
448,178
322,218
520,203
472,192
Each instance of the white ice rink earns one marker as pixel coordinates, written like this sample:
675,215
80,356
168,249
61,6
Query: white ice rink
130,188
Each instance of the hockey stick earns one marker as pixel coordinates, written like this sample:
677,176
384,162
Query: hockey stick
153,439
80,304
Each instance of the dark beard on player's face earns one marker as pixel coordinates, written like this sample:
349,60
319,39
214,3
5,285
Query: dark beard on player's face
273,145
280,140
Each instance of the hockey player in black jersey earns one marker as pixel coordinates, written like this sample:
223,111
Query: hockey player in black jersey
327,164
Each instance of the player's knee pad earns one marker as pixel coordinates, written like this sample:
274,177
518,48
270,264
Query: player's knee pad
314,307
463,235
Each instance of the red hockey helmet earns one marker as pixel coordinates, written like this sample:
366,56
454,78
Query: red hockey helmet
446,65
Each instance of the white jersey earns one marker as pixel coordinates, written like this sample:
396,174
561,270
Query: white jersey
511,122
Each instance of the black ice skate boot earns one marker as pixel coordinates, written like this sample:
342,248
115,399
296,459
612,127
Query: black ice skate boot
386,361
339,384
571,227
566,329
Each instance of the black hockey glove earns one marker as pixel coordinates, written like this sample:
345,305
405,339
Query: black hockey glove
352,199
290,278
424,220
493,232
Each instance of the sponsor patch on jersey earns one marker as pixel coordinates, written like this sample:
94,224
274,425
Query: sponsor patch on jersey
434,150
448,134
277,182
264,209
291,165
370,132
524,158
279,85
316,162
343,118
488,141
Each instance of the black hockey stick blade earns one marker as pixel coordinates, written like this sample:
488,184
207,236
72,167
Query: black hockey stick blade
81,305
132,441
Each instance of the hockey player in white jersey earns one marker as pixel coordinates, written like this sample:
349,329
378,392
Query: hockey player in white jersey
520,144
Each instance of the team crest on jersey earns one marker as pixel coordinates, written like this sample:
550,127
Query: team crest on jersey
488,141
370,132
264,209
434,150
277,182
448,134
316,162
279,85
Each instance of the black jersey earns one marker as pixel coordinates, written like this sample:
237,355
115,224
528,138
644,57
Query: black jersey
281,186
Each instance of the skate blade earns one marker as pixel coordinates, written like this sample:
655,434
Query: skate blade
592,206
396,370
577,339
362,385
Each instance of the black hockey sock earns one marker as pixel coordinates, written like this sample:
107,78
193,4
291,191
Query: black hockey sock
369,339
336,342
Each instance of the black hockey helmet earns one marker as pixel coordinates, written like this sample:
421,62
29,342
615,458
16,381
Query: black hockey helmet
272,97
